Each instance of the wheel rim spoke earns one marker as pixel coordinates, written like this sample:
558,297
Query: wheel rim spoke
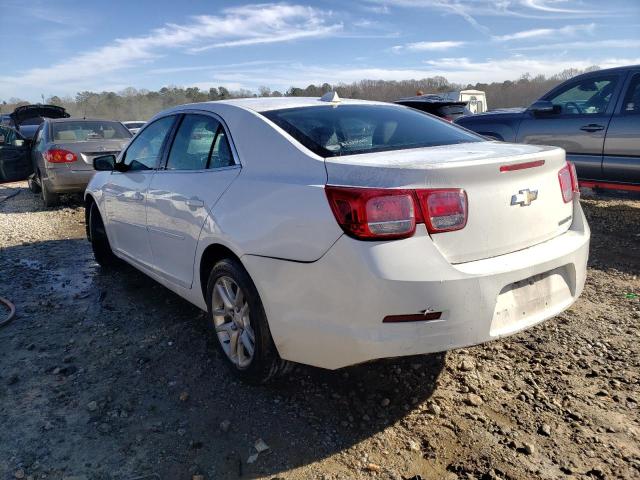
225,328
247,343
224,296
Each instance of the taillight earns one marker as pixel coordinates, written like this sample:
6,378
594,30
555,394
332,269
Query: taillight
58,155
378,214
444,210
568,181
370,213
574,177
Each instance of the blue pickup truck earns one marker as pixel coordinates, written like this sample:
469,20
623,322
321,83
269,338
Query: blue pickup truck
595,117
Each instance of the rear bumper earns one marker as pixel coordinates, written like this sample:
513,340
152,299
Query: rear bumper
68,180
329,313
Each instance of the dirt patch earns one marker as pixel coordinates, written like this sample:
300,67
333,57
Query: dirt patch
111,376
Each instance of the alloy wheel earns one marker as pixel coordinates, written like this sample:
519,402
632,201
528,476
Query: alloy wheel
231,318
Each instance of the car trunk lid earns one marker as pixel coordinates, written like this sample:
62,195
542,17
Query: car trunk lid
87,150
21,114
503,215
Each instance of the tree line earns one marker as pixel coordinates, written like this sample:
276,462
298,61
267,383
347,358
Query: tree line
141,104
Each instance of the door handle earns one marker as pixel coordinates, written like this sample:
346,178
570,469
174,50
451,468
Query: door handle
592,127
194,202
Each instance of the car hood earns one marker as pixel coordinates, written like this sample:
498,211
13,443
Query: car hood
25,112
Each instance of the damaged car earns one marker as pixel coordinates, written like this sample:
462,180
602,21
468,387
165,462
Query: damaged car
333,232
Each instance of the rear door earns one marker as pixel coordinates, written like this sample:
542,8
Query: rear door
126,191
584,108
621,162
200,166
15,160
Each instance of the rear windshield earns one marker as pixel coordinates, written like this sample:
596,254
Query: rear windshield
83,130
331,131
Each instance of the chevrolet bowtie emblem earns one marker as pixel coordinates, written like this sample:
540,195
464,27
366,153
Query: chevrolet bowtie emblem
524,197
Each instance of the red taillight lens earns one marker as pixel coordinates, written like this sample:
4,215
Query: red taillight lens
565,177
58,155
444,210
378,214
574,177
370,213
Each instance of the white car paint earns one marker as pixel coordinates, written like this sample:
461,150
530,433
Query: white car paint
325,294
134,126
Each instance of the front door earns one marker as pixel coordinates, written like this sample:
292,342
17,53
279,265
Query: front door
199,168
579,124
15,159
126,191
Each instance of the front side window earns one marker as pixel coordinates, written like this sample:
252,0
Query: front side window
145,150
7,136
631,102
586,97
84,130
331,131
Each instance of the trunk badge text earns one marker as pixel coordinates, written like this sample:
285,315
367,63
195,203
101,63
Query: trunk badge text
524,197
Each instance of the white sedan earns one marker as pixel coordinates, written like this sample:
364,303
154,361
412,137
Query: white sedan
332,232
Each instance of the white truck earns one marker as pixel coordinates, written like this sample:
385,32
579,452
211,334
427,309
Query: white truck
476,99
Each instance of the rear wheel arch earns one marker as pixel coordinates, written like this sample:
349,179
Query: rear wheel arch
210,256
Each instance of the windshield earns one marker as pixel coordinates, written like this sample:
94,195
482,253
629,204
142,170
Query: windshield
83,130
331,131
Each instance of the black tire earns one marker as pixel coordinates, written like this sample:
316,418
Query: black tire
266,364
49,198
33,185
99,240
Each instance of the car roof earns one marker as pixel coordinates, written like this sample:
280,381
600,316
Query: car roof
76,119
613,69
265,104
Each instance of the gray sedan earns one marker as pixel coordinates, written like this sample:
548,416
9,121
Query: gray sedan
63,153
595,117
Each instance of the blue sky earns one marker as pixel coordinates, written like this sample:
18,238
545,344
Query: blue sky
60,47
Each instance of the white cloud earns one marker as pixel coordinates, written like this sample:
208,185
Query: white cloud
246,25
428,46
590,45
568,30
465,70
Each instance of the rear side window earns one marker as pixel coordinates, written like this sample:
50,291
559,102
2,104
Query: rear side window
331,131
631,103
200,143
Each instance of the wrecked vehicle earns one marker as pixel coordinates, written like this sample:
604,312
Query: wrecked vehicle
332,232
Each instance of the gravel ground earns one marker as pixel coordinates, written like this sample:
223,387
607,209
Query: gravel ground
111,376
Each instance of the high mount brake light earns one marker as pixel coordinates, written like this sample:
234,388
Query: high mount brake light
568,182
59,155
380,214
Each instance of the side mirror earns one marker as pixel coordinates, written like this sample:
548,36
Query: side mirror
105,163
542,107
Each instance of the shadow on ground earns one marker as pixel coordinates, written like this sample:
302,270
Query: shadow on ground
110,375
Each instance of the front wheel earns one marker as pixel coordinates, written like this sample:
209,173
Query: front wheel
240,324
99,240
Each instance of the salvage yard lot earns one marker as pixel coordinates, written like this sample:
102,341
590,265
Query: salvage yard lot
108,375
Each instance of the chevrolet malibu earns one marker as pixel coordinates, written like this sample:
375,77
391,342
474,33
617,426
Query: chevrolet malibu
332,232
